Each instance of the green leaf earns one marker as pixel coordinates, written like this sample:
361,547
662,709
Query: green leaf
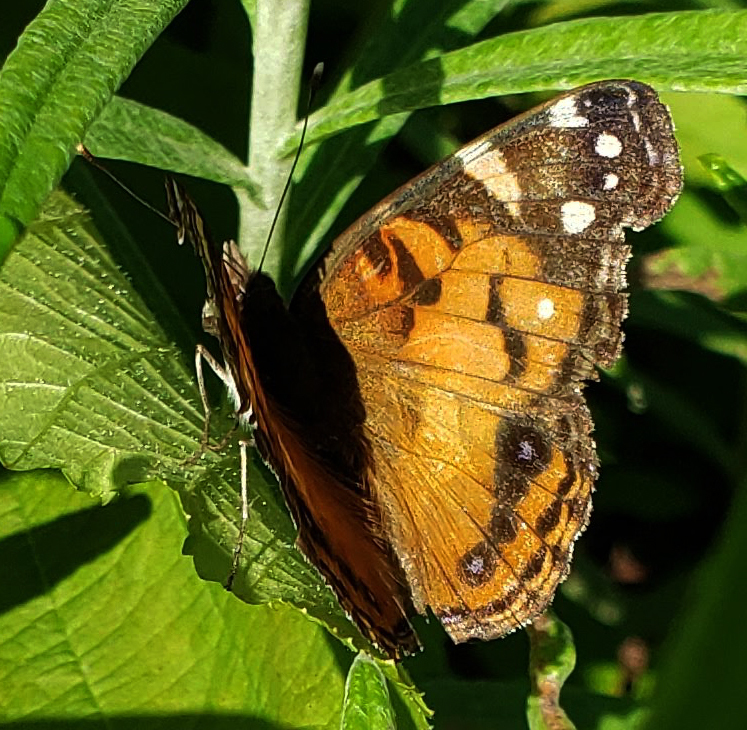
103,619
67,64
708,123
709,257
406,698
126,130
79,342
711,253
9,232
366,705
689,51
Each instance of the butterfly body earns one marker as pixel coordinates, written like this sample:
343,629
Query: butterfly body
421,400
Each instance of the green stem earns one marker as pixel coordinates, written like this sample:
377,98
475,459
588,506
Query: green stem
279,30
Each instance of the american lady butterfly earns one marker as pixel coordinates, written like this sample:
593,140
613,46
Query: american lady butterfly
421,398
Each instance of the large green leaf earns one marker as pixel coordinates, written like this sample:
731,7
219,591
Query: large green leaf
68,63
126,130
366,704
690,51
91,385
103,621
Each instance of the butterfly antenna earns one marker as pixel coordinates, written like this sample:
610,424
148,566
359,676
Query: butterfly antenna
85,153
316,77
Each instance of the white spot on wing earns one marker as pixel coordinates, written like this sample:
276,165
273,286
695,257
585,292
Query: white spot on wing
565,114
610,181
577,216
489,167
607,145
636,120
632,101
545,308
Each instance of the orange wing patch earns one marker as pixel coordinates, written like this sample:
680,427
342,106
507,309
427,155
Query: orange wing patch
472,432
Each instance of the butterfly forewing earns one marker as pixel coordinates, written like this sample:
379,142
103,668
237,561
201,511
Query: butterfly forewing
474,302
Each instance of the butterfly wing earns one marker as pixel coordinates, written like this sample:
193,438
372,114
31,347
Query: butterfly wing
474,303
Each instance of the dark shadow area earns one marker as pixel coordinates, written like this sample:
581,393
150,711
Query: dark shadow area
34,561
196,71
16,16
736,302
133,470
718,204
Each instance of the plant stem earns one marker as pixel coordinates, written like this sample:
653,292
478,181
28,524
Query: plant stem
279,29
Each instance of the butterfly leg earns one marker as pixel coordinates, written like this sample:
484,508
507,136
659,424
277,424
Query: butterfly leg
243,449
203,354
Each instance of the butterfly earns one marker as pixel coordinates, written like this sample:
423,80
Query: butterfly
420,400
